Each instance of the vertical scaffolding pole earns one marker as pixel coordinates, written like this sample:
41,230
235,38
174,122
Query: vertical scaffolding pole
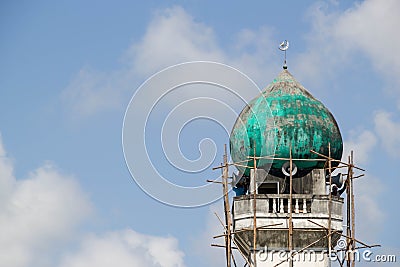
227,210
330,201
348,215
290,207
353,220
254,208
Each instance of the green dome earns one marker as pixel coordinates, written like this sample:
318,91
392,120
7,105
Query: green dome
285,115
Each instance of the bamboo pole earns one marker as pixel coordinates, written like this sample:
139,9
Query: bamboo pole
254,208
336,160
330,201
227,212
353,221
348,215
290,206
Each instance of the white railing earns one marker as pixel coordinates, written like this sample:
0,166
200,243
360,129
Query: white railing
280,203
284,205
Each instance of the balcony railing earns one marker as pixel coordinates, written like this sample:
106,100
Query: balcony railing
281,203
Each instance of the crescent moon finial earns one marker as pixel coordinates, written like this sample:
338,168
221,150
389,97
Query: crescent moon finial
283,47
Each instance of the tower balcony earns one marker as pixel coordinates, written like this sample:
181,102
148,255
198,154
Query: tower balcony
310,217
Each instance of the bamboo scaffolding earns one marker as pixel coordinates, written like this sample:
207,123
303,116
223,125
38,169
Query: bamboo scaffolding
358,241
233,240
221,246
350,220
249,229
304,248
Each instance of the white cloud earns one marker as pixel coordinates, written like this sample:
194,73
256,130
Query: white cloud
388,131
126,248
7,180
369,28
91,91
37,214
39,217
362,144
317,63
372,27
173,36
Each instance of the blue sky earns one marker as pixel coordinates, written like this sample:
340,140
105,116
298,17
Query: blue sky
69,69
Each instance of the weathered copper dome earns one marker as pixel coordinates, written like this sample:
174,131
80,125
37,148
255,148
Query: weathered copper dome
284,116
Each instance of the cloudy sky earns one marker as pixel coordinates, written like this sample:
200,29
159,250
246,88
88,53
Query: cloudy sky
68,73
